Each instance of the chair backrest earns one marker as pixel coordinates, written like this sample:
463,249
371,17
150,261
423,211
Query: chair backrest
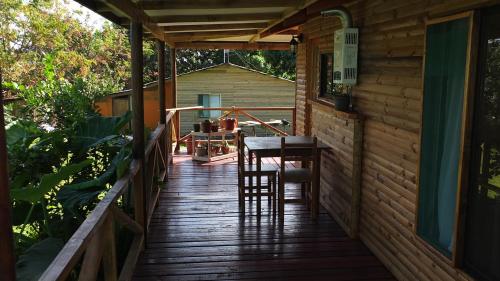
303,152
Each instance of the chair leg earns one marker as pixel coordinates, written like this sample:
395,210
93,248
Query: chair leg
241,194
274,195
259,197
281,191
269,191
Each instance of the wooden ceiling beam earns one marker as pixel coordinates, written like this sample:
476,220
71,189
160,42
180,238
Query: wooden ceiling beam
301,16
134,13
215,4
216,18
277,46
214,27
196,36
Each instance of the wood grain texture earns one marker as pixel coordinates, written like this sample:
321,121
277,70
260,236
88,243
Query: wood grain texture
388,96
198,233
238,87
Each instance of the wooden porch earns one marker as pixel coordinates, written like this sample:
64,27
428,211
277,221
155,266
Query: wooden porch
198,233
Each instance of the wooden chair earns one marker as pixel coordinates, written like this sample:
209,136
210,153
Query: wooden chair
250,171
306,153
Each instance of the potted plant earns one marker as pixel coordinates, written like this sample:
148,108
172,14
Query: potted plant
215,150
340,99
201,151
215,127
225,147
206,126
230,122
189,145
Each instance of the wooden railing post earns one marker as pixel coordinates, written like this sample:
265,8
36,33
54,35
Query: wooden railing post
294,121
7,260
109,263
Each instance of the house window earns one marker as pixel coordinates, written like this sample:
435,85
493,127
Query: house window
326,76
209,100
441,133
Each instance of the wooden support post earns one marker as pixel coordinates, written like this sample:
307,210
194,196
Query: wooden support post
294,121
173,80
160,45
7,260
136,34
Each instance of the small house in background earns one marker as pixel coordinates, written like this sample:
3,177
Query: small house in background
223,85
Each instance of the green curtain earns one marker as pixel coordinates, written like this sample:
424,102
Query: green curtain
446,52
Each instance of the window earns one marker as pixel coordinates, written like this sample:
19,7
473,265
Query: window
326,75
441,134
482,217
209,100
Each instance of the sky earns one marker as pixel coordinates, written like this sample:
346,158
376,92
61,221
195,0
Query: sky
84,15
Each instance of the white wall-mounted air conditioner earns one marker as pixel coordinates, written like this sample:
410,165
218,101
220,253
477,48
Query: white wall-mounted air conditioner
345,56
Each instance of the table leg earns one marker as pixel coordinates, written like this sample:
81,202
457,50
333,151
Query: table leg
258,159
316,187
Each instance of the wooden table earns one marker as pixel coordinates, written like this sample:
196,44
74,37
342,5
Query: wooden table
209,141
271,147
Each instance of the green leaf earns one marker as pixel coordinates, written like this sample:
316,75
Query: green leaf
18,131
47,183
116,168
71,199
37,258
97,130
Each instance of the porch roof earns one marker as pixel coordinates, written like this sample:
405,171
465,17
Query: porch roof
235,24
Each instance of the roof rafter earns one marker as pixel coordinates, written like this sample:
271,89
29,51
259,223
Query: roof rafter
233,45
216,18
214,27
132,12
194,36
215,4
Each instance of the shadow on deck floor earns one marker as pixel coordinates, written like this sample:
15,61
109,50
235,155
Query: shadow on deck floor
197,233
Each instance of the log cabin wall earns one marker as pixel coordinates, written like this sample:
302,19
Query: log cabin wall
237,86
388,96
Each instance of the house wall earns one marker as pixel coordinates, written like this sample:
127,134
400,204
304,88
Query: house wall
388,98
238,87
151,104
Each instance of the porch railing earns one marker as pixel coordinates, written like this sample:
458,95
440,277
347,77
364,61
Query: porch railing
128,206
234,111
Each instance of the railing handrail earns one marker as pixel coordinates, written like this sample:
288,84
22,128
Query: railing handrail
83,240
70,254
258,108
154,137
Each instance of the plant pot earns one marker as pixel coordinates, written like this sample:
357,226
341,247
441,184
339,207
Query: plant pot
197,127
206,126
230,122
201,151
222,123
189,145
215,150
225,149
341,102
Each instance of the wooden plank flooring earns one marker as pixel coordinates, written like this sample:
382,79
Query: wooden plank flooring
197,233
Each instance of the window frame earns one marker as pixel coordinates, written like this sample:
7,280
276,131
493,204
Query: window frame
322,89
201,112
456,258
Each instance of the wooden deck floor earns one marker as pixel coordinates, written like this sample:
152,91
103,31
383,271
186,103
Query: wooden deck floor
197,233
